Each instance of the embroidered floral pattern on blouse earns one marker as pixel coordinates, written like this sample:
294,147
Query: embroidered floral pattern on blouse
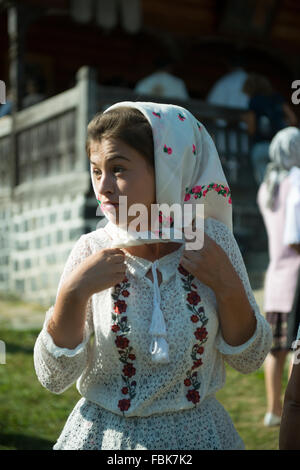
126,354
201,191
156,114
200,320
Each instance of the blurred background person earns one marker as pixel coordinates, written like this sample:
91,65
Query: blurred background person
289,436
34,92
6,108
228,90
163,83
281,180
267,114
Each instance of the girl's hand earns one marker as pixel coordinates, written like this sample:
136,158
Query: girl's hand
98,272
211,266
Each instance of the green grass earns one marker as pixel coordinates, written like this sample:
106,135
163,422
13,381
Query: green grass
32,418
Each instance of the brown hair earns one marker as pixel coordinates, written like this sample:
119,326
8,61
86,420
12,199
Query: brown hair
257,84
124,123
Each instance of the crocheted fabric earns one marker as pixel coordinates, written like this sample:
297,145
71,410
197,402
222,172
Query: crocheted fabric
130,402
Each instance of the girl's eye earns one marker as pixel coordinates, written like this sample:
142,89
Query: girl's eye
116,169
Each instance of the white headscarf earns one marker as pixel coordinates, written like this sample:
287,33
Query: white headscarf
188,171
284,154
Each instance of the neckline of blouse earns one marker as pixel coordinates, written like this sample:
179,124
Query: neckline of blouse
140,266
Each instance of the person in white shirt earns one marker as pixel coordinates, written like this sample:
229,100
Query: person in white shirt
163,83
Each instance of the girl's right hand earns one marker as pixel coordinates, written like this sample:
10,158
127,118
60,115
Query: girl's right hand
98,272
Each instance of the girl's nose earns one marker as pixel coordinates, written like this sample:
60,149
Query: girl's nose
106,184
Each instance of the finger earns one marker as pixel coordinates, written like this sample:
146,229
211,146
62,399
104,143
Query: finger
118,259
116,251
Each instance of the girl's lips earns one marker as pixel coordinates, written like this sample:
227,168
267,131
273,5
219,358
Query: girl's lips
109,206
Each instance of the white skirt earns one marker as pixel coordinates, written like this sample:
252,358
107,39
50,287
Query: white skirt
207,426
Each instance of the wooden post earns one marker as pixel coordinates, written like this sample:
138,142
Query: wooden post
19,18
87,108
16,79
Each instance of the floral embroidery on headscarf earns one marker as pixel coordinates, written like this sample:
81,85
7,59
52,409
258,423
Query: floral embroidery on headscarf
201,191
168,150
181,117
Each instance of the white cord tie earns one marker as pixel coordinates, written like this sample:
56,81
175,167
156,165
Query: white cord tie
159,347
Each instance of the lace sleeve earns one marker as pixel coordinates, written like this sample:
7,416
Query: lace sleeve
249,356
58,368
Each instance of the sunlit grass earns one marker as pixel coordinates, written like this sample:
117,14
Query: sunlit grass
32,418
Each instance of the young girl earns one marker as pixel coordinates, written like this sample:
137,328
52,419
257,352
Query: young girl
164,317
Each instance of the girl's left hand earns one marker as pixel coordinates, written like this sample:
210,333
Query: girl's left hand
211,266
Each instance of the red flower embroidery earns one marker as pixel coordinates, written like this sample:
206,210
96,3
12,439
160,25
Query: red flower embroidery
115,328
201,191
122,342
168,150
200,333
181,117
193,298
193,396
156,114
125,390
197,364
120,306
129,370
187,382
194,318
124,404
125,293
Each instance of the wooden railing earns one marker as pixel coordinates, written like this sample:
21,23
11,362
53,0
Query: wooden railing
48,139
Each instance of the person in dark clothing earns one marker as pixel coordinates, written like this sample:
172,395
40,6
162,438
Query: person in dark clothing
267,114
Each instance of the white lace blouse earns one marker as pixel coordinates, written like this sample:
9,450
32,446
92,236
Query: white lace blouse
129,401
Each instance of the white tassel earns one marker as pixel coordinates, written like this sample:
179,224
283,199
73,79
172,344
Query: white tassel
159,347
158,327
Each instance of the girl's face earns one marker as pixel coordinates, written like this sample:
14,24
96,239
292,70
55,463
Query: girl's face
120,170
